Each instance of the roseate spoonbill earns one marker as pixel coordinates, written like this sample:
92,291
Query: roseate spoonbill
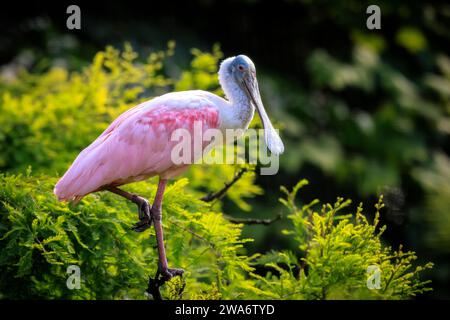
137,145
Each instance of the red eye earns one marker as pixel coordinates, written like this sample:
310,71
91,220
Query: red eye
241,68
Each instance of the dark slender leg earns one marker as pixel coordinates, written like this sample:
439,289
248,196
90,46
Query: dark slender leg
156,212
144,208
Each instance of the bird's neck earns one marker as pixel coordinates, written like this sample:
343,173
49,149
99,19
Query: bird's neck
241,110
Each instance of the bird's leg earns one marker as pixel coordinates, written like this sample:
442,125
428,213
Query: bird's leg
156,212
144,208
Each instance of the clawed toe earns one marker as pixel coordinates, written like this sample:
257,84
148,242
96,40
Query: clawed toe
142,225
145,217
144,209
170,273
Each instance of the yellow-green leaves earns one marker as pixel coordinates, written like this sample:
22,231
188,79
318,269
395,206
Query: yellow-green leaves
336,248
40,237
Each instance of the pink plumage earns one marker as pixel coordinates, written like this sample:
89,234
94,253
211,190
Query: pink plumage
140,144
137,145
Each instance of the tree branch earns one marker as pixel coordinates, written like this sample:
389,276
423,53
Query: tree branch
221,193
155,283
254,221
153,287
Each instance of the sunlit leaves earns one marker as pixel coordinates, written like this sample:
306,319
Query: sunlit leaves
335,249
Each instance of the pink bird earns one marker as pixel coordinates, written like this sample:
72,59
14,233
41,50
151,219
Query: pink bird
137,145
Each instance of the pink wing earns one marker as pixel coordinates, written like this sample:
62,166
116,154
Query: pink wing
137,145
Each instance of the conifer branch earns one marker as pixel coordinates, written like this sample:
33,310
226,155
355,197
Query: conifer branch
221,193
265,222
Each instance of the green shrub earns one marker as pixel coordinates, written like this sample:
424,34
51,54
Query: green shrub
363,121
41,237
47,118
336,249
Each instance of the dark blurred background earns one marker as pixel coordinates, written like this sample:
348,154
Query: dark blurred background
364,112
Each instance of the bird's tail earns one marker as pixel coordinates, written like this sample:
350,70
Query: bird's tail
63,192
70,187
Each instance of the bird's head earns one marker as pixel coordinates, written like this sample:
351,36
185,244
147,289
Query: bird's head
243,72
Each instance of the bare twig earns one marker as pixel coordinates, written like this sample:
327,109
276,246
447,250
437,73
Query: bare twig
191,232
254,221
221,193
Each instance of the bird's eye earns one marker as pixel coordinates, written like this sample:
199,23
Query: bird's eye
241,67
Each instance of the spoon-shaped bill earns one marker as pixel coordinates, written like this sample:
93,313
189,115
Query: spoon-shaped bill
271,137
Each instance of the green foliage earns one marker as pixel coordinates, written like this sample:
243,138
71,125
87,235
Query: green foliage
41,237
393,124
48,117
437,188
203,73
44,115
337,248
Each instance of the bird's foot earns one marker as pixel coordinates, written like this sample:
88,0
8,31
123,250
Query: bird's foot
144,208
161,277
169,273
145,216
142,225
